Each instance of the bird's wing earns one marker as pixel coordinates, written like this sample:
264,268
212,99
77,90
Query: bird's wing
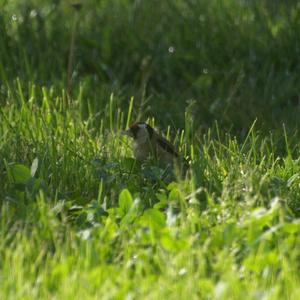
167,146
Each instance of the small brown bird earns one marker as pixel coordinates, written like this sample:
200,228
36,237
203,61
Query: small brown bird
149,144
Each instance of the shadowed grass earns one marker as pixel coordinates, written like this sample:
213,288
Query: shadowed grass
235,60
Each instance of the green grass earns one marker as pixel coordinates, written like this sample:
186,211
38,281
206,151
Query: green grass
86,221
81,219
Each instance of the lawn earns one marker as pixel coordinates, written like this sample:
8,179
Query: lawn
81,218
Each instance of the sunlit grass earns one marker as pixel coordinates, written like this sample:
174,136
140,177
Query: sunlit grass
78,209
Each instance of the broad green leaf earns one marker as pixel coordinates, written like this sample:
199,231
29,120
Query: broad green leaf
125,201
168,242
172,185
174,195
154,218
20,174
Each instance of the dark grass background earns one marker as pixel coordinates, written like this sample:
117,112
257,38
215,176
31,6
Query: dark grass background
230,61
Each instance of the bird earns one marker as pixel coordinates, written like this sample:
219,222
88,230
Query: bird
149,144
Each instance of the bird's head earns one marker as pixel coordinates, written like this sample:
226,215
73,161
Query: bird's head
140,132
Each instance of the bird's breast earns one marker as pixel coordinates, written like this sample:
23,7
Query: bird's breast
142,151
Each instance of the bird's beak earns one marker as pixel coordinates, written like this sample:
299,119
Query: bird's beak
127,132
